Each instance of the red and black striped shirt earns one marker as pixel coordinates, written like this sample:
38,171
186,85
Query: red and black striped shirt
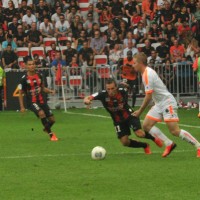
117,105
32,87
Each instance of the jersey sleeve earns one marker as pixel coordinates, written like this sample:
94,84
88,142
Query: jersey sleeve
22,84
98,96
148,82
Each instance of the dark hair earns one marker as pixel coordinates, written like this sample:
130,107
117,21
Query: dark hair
111,80
27,58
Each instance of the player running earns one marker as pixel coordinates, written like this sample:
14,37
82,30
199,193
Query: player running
32,86
115,101
165,107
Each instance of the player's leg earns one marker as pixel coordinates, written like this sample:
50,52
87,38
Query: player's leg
134,123
152,117
184,135
51,120
123,133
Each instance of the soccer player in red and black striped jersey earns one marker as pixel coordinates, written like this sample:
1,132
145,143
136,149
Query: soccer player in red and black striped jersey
115,100
32,86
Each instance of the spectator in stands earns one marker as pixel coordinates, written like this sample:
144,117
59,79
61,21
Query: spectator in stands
155,57
147,48
168,15
191,6
192,49
74,24
154,33
131,47
163,50
135,19
101,6
122,29
111,27
9,41
12,28
51,54
92,11
34,37
140,33
149,8
39,10
70,16
23,8
115,54
28,19
89,22
56,16
62,27
10,12
130,7
78,44
20,37
114,39
95,27
39,62
6,3
116,8
98,44
69,53
2,36
74,68
46,28
89,72
182,16
129,36
170,33
58,62
84,53
168,75
105,18
9,58
176,52
76,31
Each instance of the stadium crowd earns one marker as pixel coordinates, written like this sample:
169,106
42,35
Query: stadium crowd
167,31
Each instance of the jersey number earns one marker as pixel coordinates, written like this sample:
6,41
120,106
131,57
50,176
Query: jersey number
117,128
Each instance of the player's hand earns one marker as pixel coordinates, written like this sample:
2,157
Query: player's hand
136,113
87,101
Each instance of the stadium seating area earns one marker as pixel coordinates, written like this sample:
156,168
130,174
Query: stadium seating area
110,28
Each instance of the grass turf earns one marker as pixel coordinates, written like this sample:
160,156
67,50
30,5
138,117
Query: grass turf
33,168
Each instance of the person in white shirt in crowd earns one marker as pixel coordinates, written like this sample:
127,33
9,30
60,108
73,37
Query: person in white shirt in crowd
155,57
129,36
62,27
56,16
5,3
130,47
46,28
28,19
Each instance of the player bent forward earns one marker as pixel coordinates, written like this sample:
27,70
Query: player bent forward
165,107
115,101
32,86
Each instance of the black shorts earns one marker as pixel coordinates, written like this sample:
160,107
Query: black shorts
35,107
125,127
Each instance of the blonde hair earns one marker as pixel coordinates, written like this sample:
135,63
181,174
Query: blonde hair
141,58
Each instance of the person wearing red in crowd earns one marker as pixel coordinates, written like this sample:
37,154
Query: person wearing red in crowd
32,86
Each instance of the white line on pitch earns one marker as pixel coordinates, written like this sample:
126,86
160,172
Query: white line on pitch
83,154
107,117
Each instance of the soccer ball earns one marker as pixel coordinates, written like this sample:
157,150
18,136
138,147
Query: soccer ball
98,153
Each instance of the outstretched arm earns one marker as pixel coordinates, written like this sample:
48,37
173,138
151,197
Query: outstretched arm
87,100
145,103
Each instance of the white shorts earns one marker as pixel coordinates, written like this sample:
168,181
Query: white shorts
166,112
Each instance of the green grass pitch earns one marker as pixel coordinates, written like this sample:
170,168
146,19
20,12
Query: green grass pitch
34,168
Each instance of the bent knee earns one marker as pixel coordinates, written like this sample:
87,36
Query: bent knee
140,133
175,132
41,114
